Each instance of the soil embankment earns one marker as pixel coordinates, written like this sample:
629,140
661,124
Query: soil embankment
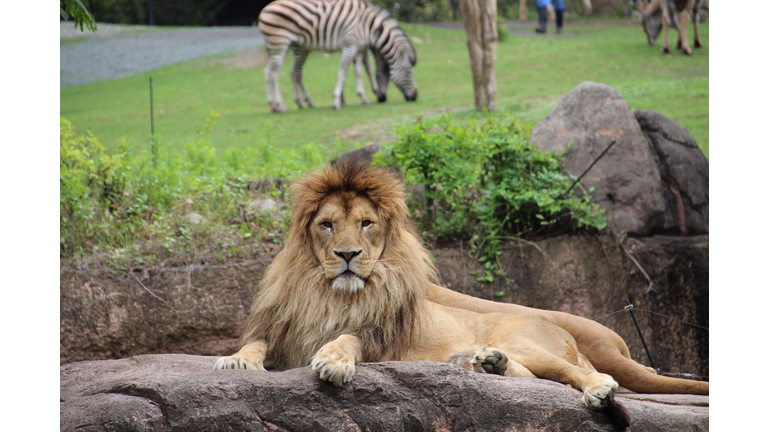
201,309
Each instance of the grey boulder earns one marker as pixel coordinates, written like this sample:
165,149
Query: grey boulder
642,181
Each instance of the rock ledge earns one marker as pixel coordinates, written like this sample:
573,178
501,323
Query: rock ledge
173,392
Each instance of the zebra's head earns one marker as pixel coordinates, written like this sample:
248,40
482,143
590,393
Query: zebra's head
395,59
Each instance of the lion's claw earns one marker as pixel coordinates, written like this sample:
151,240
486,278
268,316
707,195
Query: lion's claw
333,369
238,361
489,360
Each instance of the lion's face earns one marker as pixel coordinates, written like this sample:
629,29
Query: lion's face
348,238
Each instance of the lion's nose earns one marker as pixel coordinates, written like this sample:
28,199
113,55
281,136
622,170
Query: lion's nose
347,255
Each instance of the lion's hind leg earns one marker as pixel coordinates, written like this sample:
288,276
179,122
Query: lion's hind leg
599,389
251,356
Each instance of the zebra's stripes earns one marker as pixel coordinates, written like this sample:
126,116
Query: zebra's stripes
352,26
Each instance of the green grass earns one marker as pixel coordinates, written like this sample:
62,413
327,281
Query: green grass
533,72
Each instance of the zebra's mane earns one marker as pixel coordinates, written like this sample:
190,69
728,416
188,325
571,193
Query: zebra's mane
400,38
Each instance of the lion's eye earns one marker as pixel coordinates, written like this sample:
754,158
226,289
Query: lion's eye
367,223
327,224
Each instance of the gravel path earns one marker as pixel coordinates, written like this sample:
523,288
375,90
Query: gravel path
120,50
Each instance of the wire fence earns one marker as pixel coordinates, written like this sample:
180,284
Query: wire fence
630,309
626,309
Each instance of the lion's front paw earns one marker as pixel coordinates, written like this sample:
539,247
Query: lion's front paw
333,366
490,360
239,361
599,390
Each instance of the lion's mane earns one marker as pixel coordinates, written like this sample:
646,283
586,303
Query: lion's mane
297,311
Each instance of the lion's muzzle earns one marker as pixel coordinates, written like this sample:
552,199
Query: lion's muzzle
348,282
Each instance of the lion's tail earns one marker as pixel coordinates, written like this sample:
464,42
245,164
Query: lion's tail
637,378
618,414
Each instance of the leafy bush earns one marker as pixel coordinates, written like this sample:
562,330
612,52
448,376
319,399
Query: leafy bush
144,205
90,179
485,182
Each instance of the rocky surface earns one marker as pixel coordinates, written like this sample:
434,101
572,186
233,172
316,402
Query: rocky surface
182,393
684,170
192,310
201,309
638,182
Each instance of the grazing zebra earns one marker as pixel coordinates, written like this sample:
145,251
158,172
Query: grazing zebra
352,26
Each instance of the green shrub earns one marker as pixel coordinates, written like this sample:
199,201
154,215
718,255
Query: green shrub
145,205
483,181
90,180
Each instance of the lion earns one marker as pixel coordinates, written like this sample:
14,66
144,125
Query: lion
354,284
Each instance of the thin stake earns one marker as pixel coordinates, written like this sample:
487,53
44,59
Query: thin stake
647,351
152,123
151,108
589,168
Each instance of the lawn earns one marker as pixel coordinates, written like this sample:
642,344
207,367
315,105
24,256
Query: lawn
533,72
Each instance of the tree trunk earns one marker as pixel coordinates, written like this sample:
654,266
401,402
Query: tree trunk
479,18
490,37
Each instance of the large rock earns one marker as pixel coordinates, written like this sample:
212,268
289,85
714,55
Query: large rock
629,181
108,315
684,170
182,393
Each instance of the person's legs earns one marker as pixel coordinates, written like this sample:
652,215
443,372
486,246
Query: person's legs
542,6
559,11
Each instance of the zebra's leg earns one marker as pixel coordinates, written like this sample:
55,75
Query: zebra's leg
299,57
348,54
272,75
359,77
369,70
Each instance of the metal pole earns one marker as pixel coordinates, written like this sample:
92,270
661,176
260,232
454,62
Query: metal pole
151,109
152,123
647,351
